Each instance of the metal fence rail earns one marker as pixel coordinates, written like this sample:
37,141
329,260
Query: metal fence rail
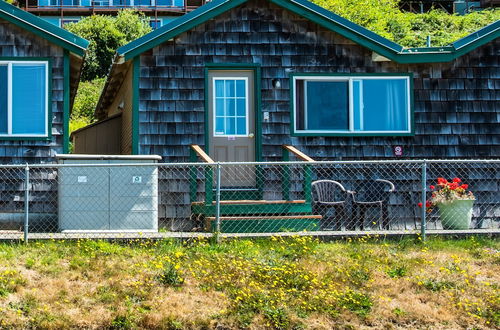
249,199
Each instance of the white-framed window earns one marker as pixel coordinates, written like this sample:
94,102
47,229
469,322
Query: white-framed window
24,99
68,21
155,23
230,106
329,105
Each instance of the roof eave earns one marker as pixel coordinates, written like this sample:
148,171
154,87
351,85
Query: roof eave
46,30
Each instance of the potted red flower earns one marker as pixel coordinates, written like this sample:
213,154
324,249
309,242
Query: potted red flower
454,202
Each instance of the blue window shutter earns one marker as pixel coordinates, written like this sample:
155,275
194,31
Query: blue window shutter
29,100
4,103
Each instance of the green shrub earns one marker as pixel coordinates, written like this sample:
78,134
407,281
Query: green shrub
171,275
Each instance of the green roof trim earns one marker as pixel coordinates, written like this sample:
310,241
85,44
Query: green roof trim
490,30
42,28
325,18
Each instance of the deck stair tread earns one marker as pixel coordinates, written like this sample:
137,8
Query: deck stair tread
274,217
253,202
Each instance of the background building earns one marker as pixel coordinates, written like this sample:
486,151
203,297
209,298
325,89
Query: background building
60,12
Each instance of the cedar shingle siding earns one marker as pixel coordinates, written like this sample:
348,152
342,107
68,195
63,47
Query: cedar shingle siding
16,43
455,103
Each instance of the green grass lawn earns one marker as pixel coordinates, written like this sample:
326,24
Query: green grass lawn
285,283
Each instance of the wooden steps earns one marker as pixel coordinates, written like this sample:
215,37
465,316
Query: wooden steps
274,217
264,224
257,216
254,202
253,207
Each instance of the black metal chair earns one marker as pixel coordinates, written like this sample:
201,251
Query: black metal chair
372,194
328,196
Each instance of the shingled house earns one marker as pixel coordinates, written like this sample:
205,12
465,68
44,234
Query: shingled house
242,78
285,60
40,68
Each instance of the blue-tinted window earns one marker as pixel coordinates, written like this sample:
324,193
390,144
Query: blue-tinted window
28,113
352,104
142,3
327,105
385,105
24,106
4,103
155,23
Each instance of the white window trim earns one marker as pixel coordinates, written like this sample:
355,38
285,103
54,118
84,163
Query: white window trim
9,99
350,79
247,90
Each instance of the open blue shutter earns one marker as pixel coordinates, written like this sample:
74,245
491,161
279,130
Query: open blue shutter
29,99
4,100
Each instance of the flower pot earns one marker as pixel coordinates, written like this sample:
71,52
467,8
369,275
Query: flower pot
456,214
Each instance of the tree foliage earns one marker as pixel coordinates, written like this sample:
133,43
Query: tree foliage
85,102
409,29
106,34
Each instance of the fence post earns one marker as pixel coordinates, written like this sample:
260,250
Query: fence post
423,223
217,201
26,201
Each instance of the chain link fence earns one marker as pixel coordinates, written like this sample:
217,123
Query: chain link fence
249,199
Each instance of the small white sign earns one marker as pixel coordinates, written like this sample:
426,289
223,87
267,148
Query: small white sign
17,198
137,179
82,179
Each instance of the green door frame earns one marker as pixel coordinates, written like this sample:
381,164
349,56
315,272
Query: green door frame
257,102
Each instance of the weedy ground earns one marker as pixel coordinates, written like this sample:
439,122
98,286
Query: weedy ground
282,283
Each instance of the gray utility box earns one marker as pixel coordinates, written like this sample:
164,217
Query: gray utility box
108,198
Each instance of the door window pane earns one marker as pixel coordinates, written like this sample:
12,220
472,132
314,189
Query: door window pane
219,107
3,99
240,88
230,126
327,106
230,106
241,107
28,113
241,125
230,85
219,88
219,126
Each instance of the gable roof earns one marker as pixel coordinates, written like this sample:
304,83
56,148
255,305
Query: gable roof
44,29
325,18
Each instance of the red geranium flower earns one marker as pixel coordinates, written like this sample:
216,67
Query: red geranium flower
453,185
457,180
427,204
442,181
464,186
432,187
420,205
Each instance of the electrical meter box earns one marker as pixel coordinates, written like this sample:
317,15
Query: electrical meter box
94,195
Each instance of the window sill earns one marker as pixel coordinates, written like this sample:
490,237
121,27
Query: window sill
25,138
352,134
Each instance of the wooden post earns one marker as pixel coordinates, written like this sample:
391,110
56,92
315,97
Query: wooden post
193,179
286,176
209,183
307,183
